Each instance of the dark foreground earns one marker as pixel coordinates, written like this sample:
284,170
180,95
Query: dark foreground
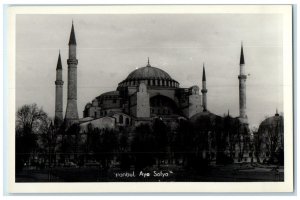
228,173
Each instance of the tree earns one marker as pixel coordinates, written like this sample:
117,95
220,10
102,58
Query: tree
161,143
257,141
48,143
32,118
242,139
123,150
183,142
70,143
204,131
142,147
271,132
229,139
104,144
30,122
108,145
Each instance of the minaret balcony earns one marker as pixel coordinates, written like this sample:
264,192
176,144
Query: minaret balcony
204,91
242,77
72,61
59,82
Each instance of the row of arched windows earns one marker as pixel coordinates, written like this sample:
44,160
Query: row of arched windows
161,111
151,82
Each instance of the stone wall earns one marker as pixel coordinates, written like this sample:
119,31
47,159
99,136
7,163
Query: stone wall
143,102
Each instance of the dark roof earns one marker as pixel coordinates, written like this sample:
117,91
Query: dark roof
207,114
272,121
72,36
203,74
112,113
59,65
111,93
242,60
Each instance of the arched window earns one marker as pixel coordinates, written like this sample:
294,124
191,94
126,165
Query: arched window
163,105
127,121
121,119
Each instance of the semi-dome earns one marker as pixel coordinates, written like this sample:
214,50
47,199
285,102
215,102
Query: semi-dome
151,76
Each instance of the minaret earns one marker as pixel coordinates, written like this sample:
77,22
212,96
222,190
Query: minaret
58,119
204,90
242,88
71,112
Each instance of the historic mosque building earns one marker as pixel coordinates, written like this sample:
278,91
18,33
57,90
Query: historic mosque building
149,93
145,94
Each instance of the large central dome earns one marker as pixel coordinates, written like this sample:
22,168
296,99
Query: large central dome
148,72
149,75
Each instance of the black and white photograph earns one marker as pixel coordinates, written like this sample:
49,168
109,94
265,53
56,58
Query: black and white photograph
153,96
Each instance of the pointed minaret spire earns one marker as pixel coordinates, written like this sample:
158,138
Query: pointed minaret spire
71,116
59,65
242,88
204,90
72,36
203,74
148,64
58,119
242,60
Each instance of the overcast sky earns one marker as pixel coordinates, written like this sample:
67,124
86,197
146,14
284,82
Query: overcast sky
111,46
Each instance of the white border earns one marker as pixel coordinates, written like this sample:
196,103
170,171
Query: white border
286,186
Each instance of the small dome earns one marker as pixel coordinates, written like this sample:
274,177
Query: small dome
273,121
201,115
